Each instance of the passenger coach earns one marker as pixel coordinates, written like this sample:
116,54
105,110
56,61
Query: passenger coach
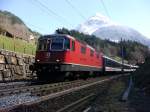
113,66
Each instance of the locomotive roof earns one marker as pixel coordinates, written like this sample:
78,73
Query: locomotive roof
52,35
71,37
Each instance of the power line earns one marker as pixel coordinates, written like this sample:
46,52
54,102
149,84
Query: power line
105,8
37,27
59,18
81,15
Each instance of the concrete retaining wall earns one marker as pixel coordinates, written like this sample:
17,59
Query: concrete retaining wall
14,66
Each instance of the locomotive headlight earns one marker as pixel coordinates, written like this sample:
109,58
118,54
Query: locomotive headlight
57,60
37,60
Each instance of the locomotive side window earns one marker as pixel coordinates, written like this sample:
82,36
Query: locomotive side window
97,55
73,46
91,53
83,49
67,43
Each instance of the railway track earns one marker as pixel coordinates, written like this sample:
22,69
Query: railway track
9,85
8,89
40,90
54,90
77,104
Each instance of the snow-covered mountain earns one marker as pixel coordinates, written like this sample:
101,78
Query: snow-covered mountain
102,27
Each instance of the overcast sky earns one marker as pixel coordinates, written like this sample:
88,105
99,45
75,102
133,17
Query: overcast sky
45,16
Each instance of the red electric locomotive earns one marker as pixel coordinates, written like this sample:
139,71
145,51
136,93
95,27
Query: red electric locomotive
62,56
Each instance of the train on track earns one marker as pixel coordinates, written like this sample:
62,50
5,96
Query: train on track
62,56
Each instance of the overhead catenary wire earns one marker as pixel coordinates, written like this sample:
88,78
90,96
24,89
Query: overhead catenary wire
77,11
50,12
37,27
105,8
43,10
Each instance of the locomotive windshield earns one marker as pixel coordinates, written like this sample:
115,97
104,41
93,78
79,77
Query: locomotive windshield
57,44
43,45
54,44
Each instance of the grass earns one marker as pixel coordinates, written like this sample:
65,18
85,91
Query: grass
17,45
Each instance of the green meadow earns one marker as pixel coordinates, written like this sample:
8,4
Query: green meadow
17,45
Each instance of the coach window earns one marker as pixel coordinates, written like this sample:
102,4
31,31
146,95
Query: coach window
83,49
91,53
73,46
109,63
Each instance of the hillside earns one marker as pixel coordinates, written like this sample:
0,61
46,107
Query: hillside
134,52
13,26
104,28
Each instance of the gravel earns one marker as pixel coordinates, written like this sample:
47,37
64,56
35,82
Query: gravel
12,83
9,101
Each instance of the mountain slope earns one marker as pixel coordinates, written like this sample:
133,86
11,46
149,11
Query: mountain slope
94,23
104,28
115,33
15,26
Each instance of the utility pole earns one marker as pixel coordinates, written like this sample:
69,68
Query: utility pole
122,53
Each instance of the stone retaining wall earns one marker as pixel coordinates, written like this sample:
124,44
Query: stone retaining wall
14,66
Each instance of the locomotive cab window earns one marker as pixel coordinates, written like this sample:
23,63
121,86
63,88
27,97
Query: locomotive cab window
43,45
48,44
